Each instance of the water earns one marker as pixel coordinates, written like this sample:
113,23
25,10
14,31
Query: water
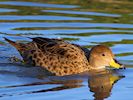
84,22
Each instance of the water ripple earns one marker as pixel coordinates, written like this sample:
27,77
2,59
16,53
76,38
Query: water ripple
83,13
7,10
40,17
36,4
65,24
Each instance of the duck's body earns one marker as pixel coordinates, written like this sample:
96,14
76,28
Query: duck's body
56,56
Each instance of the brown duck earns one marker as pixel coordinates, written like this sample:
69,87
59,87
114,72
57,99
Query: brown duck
62,58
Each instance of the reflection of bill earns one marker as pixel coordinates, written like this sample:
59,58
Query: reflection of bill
102,85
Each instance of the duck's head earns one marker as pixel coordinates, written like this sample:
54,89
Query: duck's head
102,56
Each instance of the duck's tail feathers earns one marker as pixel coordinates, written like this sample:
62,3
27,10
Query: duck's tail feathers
16,45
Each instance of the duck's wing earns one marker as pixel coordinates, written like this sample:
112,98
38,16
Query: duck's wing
46,43
53,44
86,50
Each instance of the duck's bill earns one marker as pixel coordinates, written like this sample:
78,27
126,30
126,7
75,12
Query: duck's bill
115,78
115,64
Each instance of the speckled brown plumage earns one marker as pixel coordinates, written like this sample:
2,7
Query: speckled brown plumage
55,55
63,58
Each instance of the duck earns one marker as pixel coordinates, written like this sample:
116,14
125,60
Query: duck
60,58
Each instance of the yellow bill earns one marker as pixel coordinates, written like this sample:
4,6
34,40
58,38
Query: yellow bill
113,79
114,64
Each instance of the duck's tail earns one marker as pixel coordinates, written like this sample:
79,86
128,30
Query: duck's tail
18,46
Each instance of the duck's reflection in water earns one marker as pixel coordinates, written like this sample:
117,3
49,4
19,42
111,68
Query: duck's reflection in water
58,86
101,84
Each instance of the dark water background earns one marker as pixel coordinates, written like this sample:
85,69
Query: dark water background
84,22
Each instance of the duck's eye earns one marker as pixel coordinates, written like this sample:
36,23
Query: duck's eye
103,54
